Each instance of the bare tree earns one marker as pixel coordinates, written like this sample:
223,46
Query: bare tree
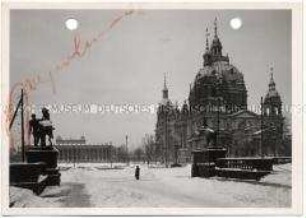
150,149
138,154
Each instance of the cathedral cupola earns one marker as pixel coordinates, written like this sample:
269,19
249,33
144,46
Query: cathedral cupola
272,89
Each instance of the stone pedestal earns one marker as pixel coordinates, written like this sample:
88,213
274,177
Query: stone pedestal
204,161
27,175
49,156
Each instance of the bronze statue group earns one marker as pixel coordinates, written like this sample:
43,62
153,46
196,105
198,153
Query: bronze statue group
41,129
209,133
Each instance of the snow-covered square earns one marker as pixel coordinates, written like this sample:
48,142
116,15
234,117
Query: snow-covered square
96,185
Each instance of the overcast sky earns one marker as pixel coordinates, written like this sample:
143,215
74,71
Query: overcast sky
127,66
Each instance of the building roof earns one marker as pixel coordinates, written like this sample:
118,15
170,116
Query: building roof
244,114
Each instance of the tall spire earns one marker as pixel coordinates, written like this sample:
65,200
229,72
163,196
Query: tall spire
207,43
216,27
272,83
165,81
165,90
271,74
207,53
216,46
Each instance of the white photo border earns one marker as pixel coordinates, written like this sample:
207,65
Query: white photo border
297,118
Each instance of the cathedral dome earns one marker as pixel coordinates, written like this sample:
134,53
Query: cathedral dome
218,79
230,74
222,80
223,69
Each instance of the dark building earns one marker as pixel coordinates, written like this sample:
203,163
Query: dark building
218,99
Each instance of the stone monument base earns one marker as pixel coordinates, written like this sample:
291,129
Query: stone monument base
28,175
49,156
204,161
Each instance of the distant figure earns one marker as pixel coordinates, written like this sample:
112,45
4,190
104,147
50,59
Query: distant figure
137,172
46,128
34,129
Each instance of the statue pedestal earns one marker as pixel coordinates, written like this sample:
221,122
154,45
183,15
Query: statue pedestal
204,161
49,156
28,175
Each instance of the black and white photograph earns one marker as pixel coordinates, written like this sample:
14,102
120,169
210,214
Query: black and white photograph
132,107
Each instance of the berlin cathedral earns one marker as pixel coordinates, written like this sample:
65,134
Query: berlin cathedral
218,100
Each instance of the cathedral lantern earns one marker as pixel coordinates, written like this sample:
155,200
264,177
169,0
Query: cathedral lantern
216,46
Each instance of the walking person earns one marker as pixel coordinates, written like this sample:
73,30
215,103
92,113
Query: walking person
137,172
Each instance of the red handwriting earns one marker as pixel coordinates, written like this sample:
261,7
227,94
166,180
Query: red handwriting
30,84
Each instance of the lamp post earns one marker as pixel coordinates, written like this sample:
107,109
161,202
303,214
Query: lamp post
218,110
261,127
74,155
166,137
111,154
22,125
126,149
21,105
165,146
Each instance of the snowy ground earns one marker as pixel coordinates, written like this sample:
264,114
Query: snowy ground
94,185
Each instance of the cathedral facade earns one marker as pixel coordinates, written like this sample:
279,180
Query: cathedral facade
218,100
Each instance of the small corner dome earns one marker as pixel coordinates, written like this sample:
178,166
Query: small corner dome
272,94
